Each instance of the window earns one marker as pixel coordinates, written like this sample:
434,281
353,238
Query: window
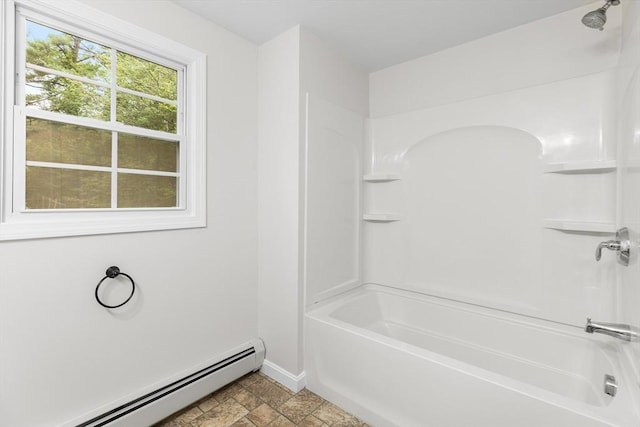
105,128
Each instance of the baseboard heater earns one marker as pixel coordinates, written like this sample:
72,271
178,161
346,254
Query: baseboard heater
159,404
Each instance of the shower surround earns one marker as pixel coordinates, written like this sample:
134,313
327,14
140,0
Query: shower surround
490,173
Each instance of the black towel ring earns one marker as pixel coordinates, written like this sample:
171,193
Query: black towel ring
112,273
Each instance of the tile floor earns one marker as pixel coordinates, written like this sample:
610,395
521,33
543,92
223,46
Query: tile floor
256,400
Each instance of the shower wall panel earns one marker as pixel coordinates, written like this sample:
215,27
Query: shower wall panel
629,154
477,200
555,48
506,167
333,214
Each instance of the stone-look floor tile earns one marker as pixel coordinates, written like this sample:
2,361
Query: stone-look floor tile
274,382
223,415
243,422
282,421
247,399
173,422
335,417
263,415
262,376
300,405
269,392
312,421
182,418
266,377
249,379
208,403
256,400
227,392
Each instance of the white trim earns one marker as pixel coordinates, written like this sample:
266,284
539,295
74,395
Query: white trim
112,170
148,172
69,166
90,22
114,158
110,86
98,124
7,93
132,92
293,382
69,76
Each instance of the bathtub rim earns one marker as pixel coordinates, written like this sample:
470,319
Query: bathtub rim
523,319
619,410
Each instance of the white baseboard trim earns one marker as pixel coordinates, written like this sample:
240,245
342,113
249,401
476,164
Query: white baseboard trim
294,383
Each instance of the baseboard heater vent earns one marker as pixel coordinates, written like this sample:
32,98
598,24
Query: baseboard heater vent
157,405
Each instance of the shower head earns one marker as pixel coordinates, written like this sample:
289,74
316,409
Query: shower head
597,18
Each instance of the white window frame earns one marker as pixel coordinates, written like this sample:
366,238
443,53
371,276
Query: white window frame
16,222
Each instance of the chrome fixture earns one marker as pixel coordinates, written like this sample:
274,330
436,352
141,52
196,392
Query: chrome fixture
622,245
610,385
616,330
597,18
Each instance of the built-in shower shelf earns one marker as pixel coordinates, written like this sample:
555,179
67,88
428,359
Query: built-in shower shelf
581,167
381,217
381,177
583,226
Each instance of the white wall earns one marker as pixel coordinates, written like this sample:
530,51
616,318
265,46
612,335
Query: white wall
327,74
553,79
291,65
61,354
278,200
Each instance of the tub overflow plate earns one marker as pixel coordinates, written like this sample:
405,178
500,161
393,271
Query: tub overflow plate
610,385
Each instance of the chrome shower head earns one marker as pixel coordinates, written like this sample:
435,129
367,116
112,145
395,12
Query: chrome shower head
597,18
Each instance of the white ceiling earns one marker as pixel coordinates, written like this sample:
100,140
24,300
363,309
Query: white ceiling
376,34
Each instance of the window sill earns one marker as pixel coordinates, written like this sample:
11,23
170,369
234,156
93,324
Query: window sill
127,222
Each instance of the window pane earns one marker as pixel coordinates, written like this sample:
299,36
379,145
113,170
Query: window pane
49,141
54,93
52,188
145,76
60,51
139,152
146,113
146,191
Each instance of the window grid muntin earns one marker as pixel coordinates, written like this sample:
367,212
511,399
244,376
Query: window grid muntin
54,165
113,125
66,75
112,86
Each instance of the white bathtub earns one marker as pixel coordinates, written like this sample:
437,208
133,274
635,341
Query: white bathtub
396,358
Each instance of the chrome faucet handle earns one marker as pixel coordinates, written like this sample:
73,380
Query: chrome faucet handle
612,245
622,246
